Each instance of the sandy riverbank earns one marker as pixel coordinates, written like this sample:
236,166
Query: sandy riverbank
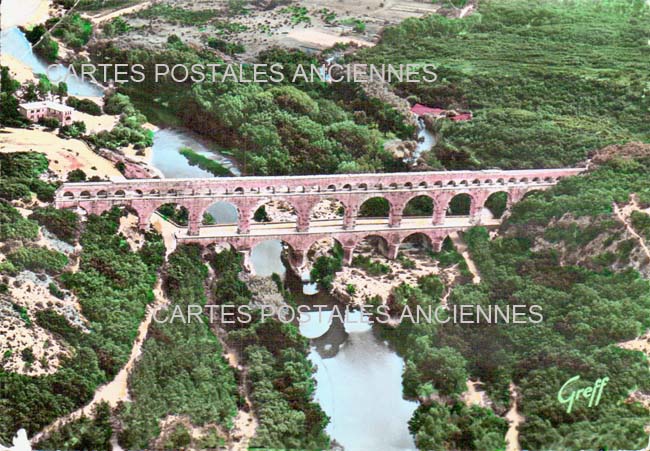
18,70
64,155
24,12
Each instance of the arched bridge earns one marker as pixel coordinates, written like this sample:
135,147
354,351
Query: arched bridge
303,194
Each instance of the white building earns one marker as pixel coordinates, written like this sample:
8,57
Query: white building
34,111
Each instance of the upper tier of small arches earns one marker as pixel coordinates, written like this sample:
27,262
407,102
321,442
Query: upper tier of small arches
284,189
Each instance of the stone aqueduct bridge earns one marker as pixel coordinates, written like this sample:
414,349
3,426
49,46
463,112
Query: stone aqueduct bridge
246,194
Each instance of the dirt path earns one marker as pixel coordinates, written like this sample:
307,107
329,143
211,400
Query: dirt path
624,216
473,396
116,390
461,247
120,12
515,419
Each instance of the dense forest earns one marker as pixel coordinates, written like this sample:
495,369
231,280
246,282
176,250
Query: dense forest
547,81
587,310
274,129
113,285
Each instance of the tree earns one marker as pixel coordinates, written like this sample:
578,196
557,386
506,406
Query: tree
62,90
76,175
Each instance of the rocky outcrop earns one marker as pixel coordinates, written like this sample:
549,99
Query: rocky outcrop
401,149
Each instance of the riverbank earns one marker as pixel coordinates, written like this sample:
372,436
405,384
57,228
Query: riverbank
64,155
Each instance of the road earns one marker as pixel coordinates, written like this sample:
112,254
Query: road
336,225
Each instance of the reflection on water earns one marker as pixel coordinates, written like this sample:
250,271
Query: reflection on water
223,213
359,385
266,258
14,43
165,156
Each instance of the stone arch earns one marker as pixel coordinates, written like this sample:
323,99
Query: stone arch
328,208
221,212
376,206
371,245
362,186
532,192
497,203
68,195
154,192
393,186
408,185
85,195
102,194
347,187
238,190
327,246
119,193
416,242
460,205
174,213
274,248
424,185
331,187
138,193
279,210
419,205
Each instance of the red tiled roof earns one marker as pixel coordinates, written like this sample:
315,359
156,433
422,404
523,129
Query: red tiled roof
420,109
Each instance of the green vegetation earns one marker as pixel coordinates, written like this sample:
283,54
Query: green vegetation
9,114
13,226
641,223
73,30
325,268
226,47
168,378
586,312
19,176
84,105
74,130
288,128
299,14
179,16
279,373
116,27
128,130
372,267
208,164
63,223
38,259
113,286
42,43
174,213
548,81
92,5
84,433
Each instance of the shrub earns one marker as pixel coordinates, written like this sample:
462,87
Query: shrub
38,259
63,223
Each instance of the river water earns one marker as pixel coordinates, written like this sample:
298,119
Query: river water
359,377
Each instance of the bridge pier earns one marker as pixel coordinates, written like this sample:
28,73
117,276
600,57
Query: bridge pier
246,260
244,226
395,219
302,224
348,254
393,250
439,214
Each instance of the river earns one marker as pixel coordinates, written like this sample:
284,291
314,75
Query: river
359,377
